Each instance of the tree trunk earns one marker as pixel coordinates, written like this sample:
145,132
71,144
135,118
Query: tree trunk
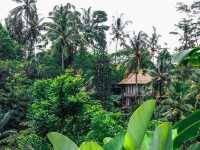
70,59
62,58
136,80
136,75
160,89
116,51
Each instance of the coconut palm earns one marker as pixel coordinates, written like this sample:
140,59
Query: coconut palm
118,31
186,29
138,55
24,21
16,27
25,10
161,72
34,35
135,55
94,29
154,43
137,52
63,32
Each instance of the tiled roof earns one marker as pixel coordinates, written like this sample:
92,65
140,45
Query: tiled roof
141,79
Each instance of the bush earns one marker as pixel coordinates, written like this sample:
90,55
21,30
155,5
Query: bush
15,92
103,123
56,101
61,105
31,141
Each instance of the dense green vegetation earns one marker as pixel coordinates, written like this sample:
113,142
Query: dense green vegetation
164,136
57,78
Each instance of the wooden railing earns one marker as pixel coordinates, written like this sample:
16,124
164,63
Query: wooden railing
132,95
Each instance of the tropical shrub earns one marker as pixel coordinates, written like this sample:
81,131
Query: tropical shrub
31,141
15,96
56,101
61,104
104,124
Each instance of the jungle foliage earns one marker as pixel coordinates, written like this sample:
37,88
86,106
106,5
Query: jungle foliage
59,77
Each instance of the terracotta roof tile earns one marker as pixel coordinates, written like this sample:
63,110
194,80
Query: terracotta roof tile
142,79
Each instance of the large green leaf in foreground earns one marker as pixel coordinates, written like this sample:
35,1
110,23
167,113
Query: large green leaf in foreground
138,125
183,124
115,144
187,134
61,142
90,146
187,129
162,139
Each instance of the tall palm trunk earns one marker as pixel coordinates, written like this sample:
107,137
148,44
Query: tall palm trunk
160,89
136,79
62,57
116,49
70,58
29,17
62,60
31,49
136,73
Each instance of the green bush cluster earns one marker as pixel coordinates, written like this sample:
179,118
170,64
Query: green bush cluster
31,141
61,104
53,100
104,124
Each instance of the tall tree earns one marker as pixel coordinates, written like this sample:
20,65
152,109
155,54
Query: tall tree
94,28
94,32
186,33
138,55
154,43
23,23
188,28
161,72
103,78
63,32
15,26
118,31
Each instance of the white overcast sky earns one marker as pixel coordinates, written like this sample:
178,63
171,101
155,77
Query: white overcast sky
143,13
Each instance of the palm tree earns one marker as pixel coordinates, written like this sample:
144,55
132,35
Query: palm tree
34,34
118,31
188,27
161,71
137,51
63,32
187,31
138,55
25,18
94,29
26,10
177,105
154,43
15,26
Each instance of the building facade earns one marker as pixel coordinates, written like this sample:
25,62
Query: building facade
133,88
